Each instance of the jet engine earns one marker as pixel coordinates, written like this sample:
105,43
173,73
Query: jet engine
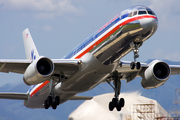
155,75
38,71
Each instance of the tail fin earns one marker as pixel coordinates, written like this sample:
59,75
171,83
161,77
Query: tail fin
30,48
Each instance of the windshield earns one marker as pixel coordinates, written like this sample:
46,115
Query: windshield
142,12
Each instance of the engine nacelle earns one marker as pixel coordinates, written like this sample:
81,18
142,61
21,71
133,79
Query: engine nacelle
155,75
38,71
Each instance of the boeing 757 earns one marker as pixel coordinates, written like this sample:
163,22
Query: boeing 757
96,60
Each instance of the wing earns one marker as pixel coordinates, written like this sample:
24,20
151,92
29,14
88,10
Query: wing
15,96
66,66
81,98
15,66
175,69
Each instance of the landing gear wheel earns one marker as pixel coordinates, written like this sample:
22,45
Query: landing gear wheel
122,102
49,100
118,107
111,107
54,105
114,102
57,99
138,65
132,65
46,106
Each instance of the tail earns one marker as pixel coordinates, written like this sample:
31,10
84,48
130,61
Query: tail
30,48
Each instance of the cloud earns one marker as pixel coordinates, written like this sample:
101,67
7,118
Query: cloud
47,28
162,54
52,7
45,15
168,12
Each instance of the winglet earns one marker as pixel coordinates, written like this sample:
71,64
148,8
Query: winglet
30,48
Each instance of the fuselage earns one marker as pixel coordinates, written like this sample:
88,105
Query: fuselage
100,54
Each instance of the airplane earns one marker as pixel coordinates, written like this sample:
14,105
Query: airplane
96,60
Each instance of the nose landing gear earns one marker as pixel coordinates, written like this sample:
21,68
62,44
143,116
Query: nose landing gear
136,64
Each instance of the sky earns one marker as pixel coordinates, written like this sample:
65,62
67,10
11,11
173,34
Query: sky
57,26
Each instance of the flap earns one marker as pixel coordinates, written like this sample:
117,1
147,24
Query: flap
16,66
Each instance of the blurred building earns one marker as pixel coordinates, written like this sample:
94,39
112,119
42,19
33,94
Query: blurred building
136,107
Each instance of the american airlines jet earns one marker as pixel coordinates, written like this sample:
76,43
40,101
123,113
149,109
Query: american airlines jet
96,60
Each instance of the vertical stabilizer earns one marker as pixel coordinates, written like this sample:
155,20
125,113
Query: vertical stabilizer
30,48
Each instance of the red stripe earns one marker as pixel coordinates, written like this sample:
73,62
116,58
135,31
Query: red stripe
38,88
111,32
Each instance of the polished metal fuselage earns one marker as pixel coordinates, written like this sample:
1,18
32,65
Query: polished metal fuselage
118,44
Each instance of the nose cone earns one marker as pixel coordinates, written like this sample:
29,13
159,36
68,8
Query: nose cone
149,24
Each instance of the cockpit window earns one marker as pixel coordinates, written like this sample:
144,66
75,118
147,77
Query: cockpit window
135,13
130,14
151,12
141,12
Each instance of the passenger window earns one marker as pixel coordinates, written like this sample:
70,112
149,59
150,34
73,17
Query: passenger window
151,13
130,15
141,12
135,13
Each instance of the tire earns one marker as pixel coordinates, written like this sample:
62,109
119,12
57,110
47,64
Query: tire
132,65
114,102
49,100
138,65
122,102
57,99
118,107
111,107
54,105
46,106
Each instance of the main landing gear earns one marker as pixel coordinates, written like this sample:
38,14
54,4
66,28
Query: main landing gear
116,103
51,100
134,64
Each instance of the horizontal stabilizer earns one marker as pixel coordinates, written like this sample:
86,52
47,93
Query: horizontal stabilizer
15,96
81,98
